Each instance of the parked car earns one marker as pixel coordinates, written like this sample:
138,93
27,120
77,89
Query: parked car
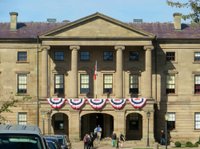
21,137
54,140
53,145
63,140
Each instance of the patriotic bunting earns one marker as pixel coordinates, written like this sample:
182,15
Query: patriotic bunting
76,103
137,102
117,103
56,102
96,103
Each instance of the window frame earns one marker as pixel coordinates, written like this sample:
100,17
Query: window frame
168,89
23,90
22,121
82,89
197,58
171,122
196,91
59,91
133,57
59,57
107,90
170,57
21,57
132,83
195,121
84,55
108,55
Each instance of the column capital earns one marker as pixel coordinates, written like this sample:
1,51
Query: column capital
45,48
119,47
148,47
74,47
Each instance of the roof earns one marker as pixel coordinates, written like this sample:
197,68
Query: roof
20,129
30,30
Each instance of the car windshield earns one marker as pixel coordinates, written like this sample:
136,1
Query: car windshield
20,141
60,140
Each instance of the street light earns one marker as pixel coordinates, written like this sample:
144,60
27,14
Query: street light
148,116
166,139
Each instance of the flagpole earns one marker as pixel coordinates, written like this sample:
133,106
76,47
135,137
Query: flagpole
96,79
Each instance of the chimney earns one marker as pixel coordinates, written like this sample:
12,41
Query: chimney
13,21
177,21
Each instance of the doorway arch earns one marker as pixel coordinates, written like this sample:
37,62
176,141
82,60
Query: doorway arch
60,123
90,121
134,126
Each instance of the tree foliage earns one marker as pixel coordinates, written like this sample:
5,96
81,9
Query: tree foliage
194,5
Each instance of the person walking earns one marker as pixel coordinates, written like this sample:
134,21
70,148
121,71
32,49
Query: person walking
121,140
98,130
114,138
162,138
86,141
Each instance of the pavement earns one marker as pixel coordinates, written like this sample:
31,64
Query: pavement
126,145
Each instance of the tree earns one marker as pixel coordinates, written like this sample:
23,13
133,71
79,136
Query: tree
194,5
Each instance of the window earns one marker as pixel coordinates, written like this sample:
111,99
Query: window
133,121
171,120
59,84
133,56
108,83
84,83
197,120
22,83
170,56
59,56
22,56
22,118
84,56
196,56
170,84
197,84
133,84
108,56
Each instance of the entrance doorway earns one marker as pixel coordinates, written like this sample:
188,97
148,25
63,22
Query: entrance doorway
134,126
60,123
90,121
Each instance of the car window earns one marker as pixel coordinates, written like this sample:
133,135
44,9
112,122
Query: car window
20,141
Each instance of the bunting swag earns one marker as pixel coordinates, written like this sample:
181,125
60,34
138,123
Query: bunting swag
137,102
76,103
117,103
96,103
56,102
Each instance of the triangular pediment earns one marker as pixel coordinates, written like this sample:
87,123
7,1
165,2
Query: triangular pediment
97,26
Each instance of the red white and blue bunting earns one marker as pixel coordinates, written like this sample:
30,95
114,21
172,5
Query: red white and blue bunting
56,102
137,102
117,103
96,103
76,103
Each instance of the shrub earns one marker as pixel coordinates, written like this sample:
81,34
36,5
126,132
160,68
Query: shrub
196,144
178,144
188,144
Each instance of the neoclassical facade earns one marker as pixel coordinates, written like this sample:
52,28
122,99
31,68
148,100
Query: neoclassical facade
70,77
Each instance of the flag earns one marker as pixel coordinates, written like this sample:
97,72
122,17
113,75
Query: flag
95,71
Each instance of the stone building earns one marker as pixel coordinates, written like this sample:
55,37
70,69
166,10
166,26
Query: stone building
124,77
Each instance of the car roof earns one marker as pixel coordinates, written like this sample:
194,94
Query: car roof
19,129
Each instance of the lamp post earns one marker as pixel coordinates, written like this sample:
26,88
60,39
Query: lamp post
148,116
166,138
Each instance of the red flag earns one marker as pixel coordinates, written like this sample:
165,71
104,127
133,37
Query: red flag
95,71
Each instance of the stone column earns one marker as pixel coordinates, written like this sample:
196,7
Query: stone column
148,71
148,128
44,71
74,71
74,126
119,122
119,71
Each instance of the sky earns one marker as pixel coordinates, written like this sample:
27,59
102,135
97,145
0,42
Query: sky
123,10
